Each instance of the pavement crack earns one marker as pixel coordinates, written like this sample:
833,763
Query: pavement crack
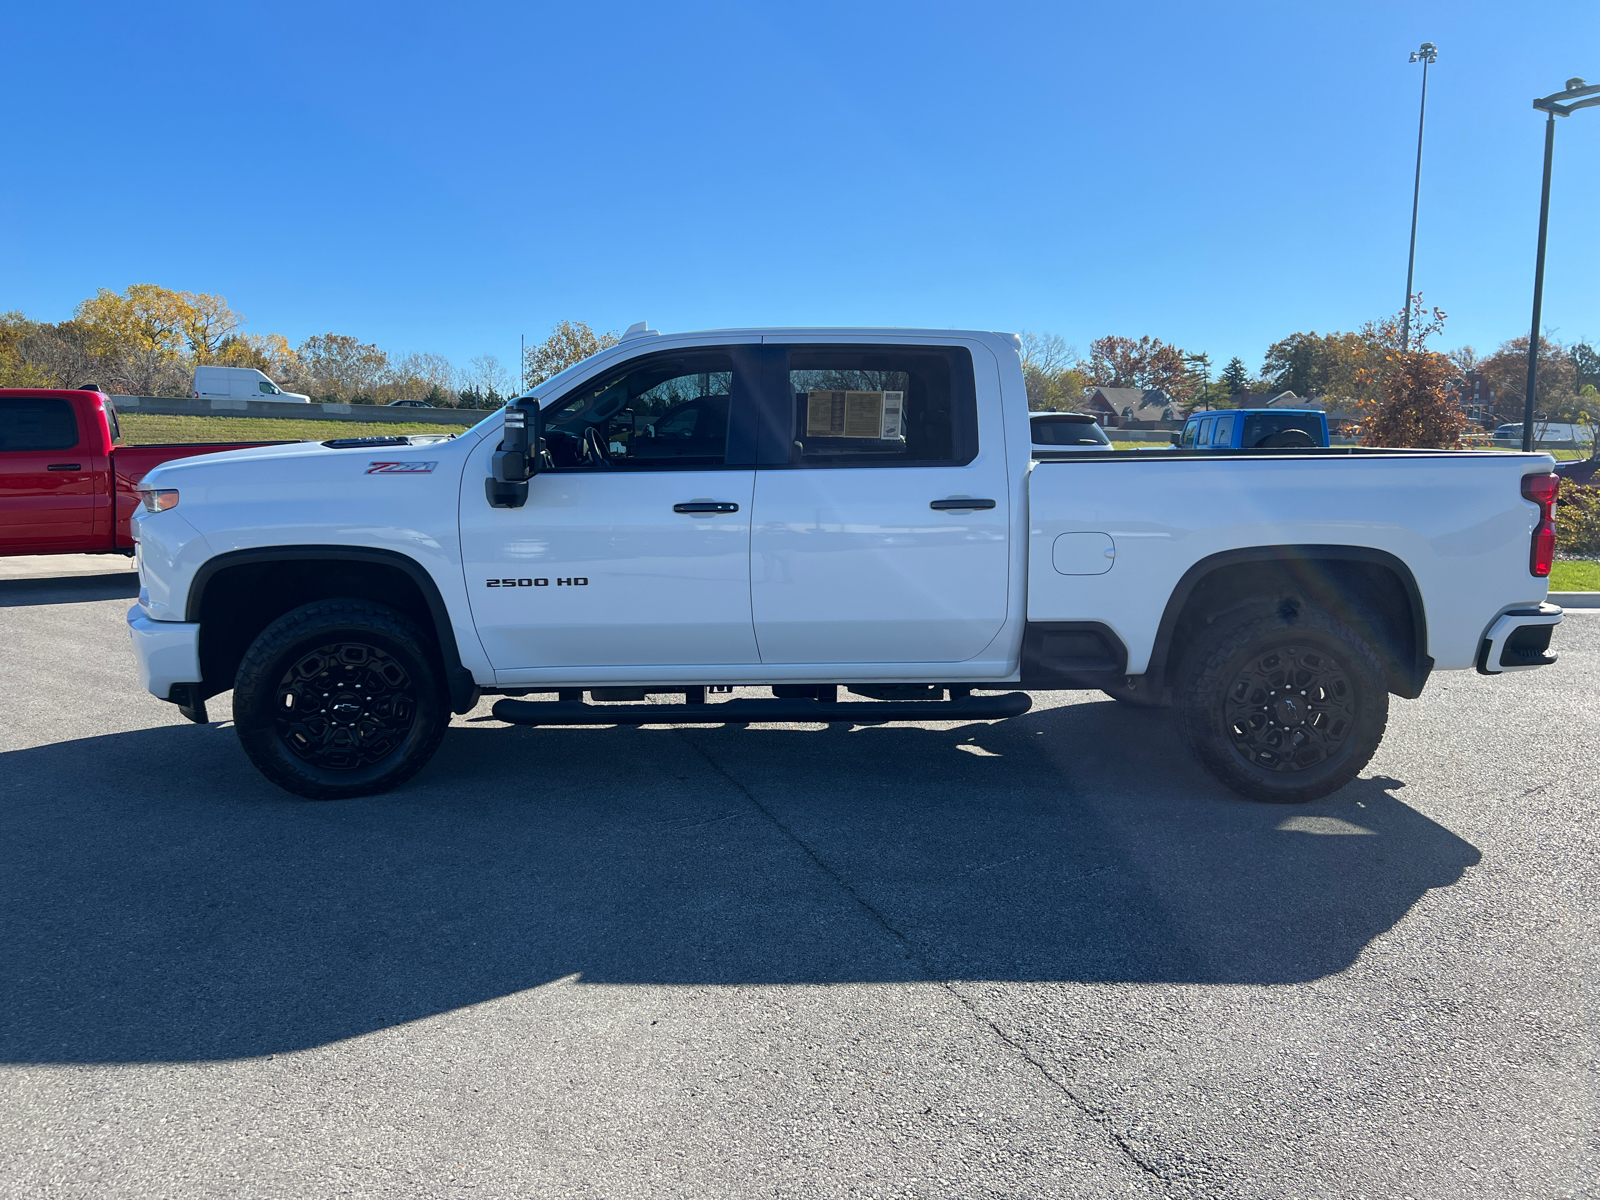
1092,1112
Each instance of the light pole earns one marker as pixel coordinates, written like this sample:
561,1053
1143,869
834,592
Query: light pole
1425,54
1553,106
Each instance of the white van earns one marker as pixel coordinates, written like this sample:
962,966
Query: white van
240,383
1552,435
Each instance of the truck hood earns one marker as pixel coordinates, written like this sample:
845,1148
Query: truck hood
300,461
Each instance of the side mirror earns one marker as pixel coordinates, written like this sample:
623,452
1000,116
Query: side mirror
516,459
1177,439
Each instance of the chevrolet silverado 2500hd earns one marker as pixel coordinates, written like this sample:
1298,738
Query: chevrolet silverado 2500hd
807,510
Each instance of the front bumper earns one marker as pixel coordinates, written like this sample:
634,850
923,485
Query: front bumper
1519,640
168,652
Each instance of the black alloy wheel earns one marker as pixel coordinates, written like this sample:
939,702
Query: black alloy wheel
1290,708
340,698
345,705
1281,703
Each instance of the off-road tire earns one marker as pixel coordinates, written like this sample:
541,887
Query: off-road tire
378,723
1242,702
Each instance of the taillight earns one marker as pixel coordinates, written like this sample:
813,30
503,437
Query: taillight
1542,489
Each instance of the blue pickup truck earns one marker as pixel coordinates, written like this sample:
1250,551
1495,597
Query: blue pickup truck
1254,429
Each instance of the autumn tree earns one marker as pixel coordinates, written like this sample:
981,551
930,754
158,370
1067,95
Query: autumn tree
569,343
18,367
1146,363
342,366
1414,408
1505,373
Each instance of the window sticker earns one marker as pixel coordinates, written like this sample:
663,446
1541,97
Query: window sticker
875,415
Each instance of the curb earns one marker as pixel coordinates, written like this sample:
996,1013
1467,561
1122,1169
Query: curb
1575,599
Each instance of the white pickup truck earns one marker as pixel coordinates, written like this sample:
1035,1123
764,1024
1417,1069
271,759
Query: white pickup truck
805,510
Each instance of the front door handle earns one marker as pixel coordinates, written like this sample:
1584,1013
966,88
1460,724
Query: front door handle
963,502
706,506
65,467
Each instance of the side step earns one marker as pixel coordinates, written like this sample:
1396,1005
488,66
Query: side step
743,712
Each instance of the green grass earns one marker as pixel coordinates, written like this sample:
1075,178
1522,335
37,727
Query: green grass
1575,575
146,429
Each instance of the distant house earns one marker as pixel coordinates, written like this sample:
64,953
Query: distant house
1133,408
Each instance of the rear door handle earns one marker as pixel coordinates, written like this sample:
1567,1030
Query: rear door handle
945,505
65,467
706,506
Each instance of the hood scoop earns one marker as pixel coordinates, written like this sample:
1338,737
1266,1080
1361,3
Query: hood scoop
361,443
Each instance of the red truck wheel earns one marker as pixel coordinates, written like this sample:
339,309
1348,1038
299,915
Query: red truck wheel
338,699
1282,704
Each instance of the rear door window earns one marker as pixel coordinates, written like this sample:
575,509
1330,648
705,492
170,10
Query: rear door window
1205,433
37,423
858,406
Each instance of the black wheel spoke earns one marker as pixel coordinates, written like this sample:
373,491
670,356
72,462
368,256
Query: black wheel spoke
345,705
1289,708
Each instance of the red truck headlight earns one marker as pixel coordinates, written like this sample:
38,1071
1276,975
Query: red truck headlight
159,499
1542,490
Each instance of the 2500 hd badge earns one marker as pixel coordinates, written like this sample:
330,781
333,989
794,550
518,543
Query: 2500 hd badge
575,581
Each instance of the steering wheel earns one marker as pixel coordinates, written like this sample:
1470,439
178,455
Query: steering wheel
594,448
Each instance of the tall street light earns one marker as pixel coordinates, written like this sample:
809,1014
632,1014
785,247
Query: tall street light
1559,104
1425,54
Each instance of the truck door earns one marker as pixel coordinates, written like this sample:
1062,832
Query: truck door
50,488
633,548
882,518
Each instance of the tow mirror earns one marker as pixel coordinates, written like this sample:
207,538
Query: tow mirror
1177,439
516,459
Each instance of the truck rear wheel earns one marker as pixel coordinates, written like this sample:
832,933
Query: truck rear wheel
1282,704
339,698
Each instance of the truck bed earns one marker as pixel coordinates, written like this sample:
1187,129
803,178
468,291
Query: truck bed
1454,521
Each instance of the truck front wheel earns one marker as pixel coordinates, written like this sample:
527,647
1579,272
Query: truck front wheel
1281,703
339,698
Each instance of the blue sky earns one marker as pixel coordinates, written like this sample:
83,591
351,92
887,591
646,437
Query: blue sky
446,177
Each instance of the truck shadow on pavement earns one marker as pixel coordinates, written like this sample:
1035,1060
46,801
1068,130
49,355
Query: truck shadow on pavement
68,589
184,909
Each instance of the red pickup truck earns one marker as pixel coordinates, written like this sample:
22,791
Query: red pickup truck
66,487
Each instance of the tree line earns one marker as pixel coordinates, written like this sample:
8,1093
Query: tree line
147,341
1403,393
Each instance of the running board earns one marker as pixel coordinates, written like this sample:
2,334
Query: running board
744,712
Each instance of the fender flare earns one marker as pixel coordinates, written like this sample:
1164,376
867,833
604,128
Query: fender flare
1415,673
462,687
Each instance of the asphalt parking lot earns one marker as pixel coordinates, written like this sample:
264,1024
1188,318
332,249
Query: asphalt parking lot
1044,957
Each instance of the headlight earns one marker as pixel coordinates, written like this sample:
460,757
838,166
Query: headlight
159,499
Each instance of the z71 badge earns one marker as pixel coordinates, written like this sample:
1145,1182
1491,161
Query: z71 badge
401,468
